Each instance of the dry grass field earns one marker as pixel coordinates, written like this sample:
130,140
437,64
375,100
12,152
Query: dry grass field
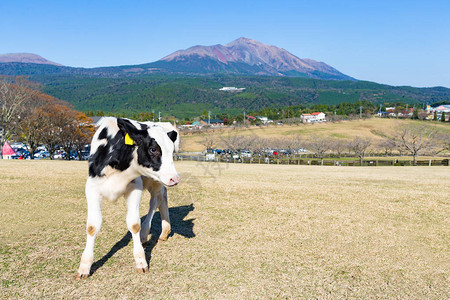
239,232
372,128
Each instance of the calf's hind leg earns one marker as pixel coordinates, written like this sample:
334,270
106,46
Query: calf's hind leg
155,198
165,220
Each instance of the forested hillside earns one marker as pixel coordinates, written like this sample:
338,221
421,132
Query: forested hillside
184,96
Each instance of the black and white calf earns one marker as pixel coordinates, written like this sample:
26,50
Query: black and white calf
126,157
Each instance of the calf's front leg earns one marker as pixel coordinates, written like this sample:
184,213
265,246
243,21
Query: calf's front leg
133,195
93,224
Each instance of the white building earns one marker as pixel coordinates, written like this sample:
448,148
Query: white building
314,117
231,89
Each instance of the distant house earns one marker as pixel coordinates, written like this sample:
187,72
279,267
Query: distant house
312,118
212,122
196,125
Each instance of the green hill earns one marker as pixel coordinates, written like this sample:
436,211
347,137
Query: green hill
184,96
119,90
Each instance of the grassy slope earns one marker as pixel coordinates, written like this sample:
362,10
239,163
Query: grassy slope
289,231
373,128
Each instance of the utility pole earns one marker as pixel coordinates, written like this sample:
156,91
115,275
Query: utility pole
244,118
209,118
153,115
159,116
360,112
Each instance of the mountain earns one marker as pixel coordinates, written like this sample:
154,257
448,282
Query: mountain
25,58
245,56
188,82
241,57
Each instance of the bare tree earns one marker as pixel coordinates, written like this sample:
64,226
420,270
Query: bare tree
319,146
445,139
30,129
416,138
359,146
259,145
387,145
231,142
236,143
15,94
338,146
208,139
292,143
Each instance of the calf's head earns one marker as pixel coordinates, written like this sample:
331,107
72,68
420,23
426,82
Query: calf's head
154,151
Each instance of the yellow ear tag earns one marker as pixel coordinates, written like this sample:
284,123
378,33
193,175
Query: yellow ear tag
128,140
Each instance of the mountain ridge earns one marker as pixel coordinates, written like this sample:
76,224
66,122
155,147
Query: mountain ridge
242,56
266,59
26,58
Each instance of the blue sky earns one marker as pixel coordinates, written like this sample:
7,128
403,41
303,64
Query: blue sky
392,42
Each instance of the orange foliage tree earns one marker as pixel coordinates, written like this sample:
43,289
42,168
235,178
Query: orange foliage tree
54,123
76,133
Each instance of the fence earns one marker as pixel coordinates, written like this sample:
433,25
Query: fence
308,161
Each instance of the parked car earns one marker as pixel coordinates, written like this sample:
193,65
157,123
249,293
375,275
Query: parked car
59,155
41,154
277,153
246,153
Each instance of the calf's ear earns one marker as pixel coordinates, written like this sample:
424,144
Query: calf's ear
172,135
127,127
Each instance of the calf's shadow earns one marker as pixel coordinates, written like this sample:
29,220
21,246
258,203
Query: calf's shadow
178,225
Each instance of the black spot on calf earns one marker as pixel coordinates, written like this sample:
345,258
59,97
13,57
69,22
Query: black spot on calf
103,134
119,155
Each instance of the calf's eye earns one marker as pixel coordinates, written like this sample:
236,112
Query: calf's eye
152,150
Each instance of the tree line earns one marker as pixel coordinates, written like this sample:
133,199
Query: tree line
35,118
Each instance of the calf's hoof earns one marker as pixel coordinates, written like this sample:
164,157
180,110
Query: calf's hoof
164,235
82,276
142,270
83,271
